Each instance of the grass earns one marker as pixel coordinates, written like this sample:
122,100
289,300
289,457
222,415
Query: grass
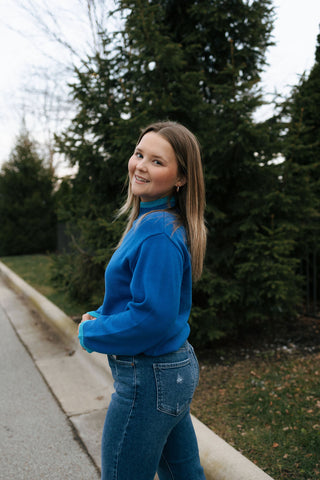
265,403
268,408
35,270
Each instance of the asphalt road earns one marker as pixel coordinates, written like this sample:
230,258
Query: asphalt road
37,440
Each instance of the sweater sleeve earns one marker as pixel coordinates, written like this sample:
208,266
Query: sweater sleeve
153,307
80,336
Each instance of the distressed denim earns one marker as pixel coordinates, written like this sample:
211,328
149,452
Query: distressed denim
148,428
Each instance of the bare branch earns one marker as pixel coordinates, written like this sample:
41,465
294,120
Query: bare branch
75,28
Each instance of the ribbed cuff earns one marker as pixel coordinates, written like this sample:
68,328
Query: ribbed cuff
81,339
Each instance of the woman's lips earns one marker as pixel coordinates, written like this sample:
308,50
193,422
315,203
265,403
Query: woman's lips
140,179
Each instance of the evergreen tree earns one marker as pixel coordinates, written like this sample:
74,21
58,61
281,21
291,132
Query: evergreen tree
301,170
26,202
197,63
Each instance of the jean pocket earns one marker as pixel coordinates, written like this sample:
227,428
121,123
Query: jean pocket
175,383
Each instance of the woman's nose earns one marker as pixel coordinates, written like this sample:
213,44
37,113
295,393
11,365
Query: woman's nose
142,165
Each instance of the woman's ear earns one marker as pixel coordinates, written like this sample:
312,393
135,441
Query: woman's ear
181,181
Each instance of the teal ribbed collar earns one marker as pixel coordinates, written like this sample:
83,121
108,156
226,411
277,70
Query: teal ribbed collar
164,202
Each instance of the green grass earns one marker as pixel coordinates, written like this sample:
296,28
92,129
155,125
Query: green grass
267,406
35,270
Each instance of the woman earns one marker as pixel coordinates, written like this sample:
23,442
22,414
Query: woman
143,322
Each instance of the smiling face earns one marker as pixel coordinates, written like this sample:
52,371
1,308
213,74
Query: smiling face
153,168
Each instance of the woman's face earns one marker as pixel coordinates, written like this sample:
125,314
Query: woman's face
153,168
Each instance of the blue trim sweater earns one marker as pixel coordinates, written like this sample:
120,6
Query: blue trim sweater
148,290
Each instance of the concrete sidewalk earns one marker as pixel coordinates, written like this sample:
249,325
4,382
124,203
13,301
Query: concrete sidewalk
37,441
82,382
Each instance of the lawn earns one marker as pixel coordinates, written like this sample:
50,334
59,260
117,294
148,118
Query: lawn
261,397
35,270
268,408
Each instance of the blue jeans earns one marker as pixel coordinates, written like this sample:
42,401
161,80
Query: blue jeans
148,428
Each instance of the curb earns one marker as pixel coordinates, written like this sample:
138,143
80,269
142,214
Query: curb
219,460
64,326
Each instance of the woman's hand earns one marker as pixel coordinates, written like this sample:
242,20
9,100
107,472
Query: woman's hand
84,318
87,316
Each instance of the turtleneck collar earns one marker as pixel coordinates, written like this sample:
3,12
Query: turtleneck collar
160,203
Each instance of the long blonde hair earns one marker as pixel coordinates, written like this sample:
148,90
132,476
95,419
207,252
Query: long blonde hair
190,199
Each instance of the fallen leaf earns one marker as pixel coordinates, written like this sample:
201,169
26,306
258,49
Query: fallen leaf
254,374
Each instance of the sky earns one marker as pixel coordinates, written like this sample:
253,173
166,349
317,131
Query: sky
24,49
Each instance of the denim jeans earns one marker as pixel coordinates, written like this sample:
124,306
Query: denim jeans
148,428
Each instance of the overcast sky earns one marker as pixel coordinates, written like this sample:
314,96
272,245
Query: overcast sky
23,47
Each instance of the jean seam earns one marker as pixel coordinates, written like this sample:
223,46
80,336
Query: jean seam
128,421
166,366
168,465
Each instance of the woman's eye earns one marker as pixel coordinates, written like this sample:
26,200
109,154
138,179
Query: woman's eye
138,154
157,162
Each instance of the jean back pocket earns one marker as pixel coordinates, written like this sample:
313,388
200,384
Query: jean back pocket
175,383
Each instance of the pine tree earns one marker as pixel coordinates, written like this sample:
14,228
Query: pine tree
301,171
27,207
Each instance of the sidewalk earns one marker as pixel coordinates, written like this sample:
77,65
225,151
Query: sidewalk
82,383
37,441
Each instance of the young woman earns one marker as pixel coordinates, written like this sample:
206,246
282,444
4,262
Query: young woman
143,322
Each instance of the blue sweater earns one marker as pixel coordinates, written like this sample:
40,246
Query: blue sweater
148,290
